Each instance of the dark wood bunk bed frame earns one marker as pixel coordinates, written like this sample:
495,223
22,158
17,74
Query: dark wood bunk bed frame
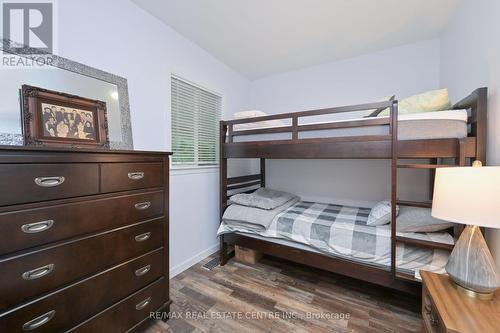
463,151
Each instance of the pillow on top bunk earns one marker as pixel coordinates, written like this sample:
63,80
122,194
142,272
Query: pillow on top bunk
416,219
435,100
381,213
376,112
249,114
263,198
260,124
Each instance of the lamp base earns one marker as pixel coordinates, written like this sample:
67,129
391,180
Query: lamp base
471,265
474,294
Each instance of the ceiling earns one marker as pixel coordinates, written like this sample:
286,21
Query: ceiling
263,37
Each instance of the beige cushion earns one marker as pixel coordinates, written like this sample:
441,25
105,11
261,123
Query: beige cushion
435,100
380,214
416,219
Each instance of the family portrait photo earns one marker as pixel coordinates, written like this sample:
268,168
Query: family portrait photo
63,122
58,119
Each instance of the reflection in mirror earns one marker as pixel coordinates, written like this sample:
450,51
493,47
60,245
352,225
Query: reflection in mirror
58,80
68,77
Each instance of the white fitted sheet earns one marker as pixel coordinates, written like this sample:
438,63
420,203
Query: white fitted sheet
415,126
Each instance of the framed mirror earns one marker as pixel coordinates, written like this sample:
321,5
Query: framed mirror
63,75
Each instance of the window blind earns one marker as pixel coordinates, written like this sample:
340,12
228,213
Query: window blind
195,124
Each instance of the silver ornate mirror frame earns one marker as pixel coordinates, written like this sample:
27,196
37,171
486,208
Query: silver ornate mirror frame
78,68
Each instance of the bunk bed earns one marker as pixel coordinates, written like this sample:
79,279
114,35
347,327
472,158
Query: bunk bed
461,148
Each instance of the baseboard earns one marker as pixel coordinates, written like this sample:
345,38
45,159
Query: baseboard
193,260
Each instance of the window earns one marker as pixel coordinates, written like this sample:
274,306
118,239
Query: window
195,125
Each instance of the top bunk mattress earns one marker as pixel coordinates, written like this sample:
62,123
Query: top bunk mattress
449,124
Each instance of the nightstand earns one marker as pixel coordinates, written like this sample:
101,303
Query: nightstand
446,309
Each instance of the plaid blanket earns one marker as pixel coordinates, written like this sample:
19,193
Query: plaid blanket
342,231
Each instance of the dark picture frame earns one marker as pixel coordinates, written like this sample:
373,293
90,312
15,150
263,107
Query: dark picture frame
57,119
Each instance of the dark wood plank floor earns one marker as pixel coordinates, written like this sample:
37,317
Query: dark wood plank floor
278,296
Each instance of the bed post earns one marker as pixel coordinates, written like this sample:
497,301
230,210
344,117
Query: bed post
481,111
262,172
394,182
477,102
432,176
222,189
460,160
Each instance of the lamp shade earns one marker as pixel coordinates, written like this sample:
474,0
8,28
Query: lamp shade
468,195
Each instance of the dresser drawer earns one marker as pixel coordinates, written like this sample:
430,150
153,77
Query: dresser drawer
430,317
68,307
22,183
129,176
27,276
28,228
137,307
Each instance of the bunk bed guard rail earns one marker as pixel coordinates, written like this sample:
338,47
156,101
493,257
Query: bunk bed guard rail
295,128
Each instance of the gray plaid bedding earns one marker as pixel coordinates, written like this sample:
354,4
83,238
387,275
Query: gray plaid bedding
342,231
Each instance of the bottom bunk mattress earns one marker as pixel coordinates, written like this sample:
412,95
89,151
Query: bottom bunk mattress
342,231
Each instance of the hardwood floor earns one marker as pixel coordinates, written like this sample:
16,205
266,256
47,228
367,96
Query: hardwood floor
278,296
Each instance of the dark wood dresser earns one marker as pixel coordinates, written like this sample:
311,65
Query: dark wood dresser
83,239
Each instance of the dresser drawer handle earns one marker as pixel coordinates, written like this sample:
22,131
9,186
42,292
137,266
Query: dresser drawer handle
49,181
143,304
136,175
33,228
142,205
38,272
142,237
143,270
434,321
39,321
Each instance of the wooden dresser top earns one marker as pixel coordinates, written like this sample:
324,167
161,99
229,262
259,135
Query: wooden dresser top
29,154
459,312
77,150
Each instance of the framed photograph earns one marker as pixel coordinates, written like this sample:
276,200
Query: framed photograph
52,118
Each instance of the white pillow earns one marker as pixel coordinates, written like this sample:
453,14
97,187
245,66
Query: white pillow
381,214
260,124
415,219
435,100
249,114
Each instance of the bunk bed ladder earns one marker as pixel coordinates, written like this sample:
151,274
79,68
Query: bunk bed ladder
434,164
477,104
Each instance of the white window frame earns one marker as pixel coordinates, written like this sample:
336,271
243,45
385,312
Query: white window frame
194,168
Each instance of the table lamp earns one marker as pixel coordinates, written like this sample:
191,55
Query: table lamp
471,196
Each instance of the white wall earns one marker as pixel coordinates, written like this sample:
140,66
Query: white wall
470,59
119,37
402,71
